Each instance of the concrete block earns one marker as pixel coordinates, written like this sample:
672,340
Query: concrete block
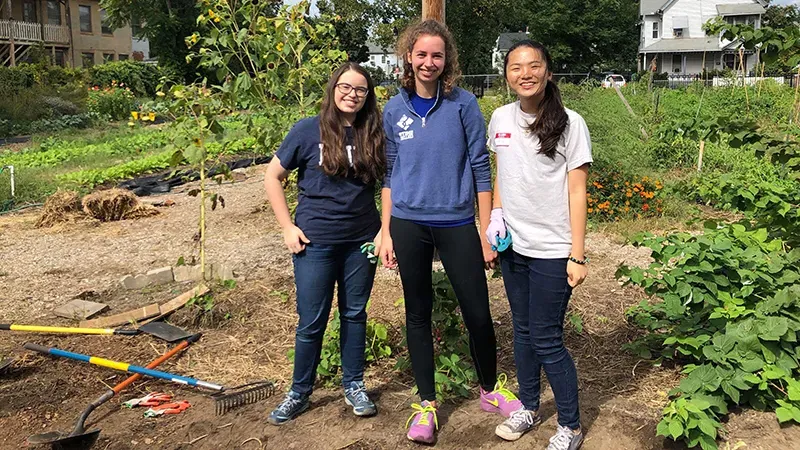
221,272
137,282
187,273
161,276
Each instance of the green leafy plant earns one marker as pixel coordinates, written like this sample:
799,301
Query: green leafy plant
377,348
727,304
115,101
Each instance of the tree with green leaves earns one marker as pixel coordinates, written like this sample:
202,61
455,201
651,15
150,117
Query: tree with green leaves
779,17
352,25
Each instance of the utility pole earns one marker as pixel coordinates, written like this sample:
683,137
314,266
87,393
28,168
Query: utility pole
433,9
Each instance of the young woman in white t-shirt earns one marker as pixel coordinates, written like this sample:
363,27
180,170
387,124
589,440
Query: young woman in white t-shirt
543,154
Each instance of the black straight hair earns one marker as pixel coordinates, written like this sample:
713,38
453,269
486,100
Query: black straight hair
552,119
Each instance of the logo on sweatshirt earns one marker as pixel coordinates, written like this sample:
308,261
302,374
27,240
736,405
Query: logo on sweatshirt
405,122
404,135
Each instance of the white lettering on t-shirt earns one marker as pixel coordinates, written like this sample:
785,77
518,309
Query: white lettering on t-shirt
405,135
349,149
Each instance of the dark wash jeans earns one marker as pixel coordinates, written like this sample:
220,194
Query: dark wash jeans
538,292
317,269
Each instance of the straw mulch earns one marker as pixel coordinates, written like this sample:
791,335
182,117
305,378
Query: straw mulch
116,204
61,207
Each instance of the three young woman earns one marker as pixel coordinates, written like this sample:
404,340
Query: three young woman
435,167
543,154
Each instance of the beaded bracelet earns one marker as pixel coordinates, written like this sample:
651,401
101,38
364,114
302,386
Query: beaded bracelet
579,261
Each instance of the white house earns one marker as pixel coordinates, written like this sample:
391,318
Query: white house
501,46
382,58
671,32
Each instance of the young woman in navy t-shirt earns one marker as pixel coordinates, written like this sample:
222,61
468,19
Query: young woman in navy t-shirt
339,156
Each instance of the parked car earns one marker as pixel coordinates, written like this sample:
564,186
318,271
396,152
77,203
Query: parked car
613,80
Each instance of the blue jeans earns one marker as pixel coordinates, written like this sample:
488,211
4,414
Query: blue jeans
538,292
317,270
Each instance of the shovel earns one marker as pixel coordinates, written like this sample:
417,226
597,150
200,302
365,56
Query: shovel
225,398
79,438
5,364
161,330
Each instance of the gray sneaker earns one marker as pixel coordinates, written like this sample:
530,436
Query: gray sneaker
292,405
565,439
356,396
518,423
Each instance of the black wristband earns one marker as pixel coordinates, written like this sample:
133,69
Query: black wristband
579,261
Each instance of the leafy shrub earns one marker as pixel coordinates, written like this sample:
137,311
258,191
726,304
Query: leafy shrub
727,302
612,194
115,102
142,78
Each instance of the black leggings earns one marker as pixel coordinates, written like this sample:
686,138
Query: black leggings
462,257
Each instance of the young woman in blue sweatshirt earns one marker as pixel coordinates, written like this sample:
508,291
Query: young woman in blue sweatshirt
339,156
436,162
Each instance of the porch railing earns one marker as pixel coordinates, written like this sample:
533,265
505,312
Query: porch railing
32,32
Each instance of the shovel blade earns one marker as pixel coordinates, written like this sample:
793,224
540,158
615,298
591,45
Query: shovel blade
165,331
63,441
5,364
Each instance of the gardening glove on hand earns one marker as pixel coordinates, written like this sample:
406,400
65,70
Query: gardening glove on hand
497,227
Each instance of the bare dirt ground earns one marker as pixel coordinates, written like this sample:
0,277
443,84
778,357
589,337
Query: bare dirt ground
251,329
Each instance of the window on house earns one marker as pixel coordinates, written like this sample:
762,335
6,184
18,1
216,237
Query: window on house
59,58
86,18
729,59
677,63
122,57
136,27
53,12
655,30
677,33
29,11
383,59
108,57
87,59
105,28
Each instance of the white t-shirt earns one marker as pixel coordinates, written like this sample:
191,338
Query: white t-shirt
533,187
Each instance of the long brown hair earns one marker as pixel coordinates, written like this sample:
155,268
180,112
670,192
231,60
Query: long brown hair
552,118
405,44
369,158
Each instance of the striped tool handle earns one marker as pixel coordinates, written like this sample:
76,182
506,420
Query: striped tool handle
124,367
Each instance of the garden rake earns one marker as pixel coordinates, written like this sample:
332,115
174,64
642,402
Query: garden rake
225,399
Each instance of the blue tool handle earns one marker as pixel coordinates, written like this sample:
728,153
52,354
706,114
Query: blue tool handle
125,367
502,243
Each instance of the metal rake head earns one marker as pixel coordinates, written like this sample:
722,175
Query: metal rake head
245,394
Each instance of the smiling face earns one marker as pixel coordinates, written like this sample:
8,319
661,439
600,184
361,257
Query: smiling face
350,93
527,72
427,58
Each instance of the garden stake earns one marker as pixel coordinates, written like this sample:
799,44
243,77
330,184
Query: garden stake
79,438
225,398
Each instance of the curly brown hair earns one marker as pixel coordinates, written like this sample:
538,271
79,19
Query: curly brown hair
405,44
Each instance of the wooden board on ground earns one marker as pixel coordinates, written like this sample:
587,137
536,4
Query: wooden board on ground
178,302
135,315
80,309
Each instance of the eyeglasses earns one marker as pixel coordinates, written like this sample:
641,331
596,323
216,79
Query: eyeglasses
346,89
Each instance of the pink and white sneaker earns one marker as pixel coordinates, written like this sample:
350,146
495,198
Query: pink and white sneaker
500,400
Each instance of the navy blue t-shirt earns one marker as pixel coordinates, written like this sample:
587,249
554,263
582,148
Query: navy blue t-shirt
330,210
421,105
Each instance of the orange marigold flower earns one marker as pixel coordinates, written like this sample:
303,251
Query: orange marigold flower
590,210
645,207
628,194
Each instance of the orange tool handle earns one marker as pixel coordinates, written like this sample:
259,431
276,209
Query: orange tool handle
134,378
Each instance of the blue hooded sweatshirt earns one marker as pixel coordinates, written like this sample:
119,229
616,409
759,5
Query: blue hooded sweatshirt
437,162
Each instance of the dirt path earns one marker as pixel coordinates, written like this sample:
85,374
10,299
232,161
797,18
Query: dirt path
252,329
